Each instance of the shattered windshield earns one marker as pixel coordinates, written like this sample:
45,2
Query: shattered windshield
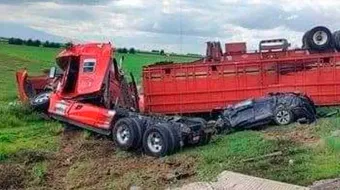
243,103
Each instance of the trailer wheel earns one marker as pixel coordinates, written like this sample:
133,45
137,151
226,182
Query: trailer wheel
283,116
336,40
304,41
41,101
126,134
157,141
319,38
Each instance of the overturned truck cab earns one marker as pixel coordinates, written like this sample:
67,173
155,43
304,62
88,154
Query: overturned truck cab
90,90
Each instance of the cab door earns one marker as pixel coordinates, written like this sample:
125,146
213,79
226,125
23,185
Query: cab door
83,113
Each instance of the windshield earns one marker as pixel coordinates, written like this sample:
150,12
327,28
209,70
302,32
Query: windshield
243,103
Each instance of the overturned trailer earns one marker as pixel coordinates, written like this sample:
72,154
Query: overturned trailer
222,78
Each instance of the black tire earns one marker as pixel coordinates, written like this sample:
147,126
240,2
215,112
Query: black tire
172,139
174,128
336,40
319,38
41,101
283,116
163,146
126,134
141,129
304,41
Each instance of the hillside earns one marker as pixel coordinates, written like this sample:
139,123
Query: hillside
40,154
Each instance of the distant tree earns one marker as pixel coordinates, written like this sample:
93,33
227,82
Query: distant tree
55,45
124,50
132,50
16,41
162,52
46,44
36,43
11,41
68,44
29,42
155,51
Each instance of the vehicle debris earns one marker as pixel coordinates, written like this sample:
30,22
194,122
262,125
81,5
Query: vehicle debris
278,108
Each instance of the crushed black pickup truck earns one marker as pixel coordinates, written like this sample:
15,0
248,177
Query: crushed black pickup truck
277,108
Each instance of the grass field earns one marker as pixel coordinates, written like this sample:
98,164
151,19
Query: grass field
309,152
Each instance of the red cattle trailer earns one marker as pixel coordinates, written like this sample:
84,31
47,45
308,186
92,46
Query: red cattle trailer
223,78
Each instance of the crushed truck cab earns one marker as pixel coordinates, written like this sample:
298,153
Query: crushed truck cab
90,90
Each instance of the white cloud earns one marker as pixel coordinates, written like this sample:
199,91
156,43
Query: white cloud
157,24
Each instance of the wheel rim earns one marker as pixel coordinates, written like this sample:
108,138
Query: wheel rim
283,117
123,134
320,38
42,98
155,142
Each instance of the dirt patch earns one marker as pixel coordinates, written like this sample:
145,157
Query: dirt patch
300,134
94,163
12,176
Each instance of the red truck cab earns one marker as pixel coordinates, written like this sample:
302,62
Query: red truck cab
91,87
92,92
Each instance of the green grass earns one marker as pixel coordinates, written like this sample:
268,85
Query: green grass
20,128
301,162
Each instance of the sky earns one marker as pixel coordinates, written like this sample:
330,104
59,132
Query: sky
180,26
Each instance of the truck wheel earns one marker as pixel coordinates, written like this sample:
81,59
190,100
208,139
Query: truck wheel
126,134
41,101
283,116
176,136
157,141
319,38
141,129
336,40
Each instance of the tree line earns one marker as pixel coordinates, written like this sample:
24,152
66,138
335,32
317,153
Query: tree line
133,51
36,43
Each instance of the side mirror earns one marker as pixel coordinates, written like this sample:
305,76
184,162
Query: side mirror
52,72
121,60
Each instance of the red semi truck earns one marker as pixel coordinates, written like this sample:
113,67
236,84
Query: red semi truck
221,78
91,91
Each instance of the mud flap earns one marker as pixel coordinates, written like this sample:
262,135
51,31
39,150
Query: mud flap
24,86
